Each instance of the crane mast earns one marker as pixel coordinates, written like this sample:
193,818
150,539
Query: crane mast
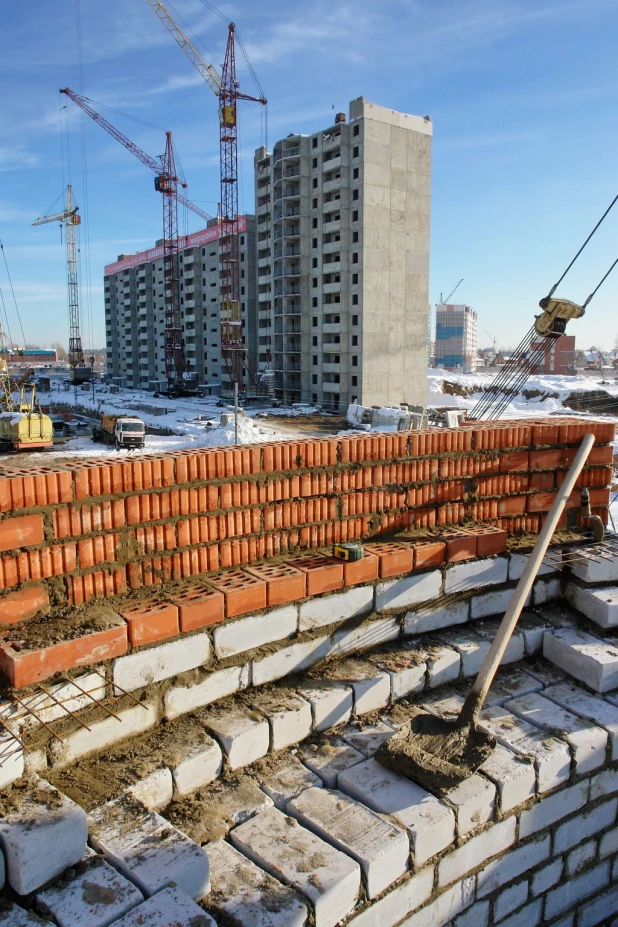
166,183
225,86
71,219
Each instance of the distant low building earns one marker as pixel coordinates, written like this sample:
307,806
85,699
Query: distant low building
560,358
30,356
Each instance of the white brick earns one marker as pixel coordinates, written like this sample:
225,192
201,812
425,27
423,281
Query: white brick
509,683
584,825
473,801
371,686
167,907
585,657
443,665
367,635
599,909
502,871
46,709
474,574
367,737
582,886
608,845
35,761
514,649
287,779
517,562
440,913
476,916
529,916
411,590
238,800
471,648
324,875
243,737
421,622
513,776
200,764
552,809
580,857
587,741
429,822
162,662
394,906
329,758
331,702
547,877
600,605
381,849
252,631
42,838
405,679
585,705
244,893
179,700
551,757
11,760
491,603
546,590
147,849
510,899
289,718
94,897
532,627
475,851
333,609
293,659
155,790
129,721
603,570
14,916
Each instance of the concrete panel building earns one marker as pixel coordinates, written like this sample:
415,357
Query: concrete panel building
343,259
456,337
135,310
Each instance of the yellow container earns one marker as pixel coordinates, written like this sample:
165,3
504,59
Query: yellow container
26,430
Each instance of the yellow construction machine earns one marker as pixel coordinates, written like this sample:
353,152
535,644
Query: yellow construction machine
22,424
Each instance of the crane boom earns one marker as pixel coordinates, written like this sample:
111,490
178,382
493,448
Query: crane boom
208,71
152,163
71,219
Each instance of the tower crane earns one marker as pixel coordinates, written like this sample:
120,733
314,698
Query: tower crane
444,301
225,86
70,218
166,182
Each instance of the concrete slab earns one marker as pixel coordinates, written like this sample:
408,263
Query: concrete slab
328,758
429,822
147,849
247,896
329,879
583,656
42,836
381,848
170,907
96,896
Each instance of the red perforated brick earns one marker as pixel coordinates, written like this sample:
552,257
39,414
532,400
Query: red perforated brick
512,505
324,574
199,606
361,571
243,592
149,621
543,480
23,531
22,667
24,604
548,459
284,583
540,502
428,554
394,558
490,540
460,545
514,460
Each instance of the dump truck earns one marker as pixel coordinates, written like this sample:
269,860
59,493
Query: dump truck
120,430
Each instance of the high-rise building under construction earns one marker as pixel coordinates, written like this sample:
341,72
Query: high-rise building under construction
343,259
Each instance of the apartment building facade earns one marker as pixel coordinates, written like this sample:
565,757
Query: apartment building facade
343,260
135,310
456,337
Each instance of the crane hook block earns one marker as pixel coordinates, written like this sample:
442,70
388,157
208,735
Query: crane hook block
551,323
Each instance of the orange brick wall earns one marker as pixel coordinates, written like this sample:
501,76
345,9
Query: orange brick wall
98,528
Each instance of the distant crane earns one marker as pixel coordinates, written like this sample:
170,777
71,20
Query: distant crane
166,182
444,301
493,338
70,218
225,86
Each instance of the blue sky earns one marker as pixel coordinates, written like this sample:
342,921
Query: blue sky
521,93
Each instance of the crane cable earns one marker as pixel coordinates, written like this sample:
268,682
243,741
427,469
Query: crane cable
8,274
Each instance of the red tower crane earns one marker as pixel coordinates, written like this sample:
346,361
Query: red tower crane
166,182
225,86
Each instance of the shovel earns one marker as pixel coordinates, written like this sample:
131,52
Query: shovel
440,753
